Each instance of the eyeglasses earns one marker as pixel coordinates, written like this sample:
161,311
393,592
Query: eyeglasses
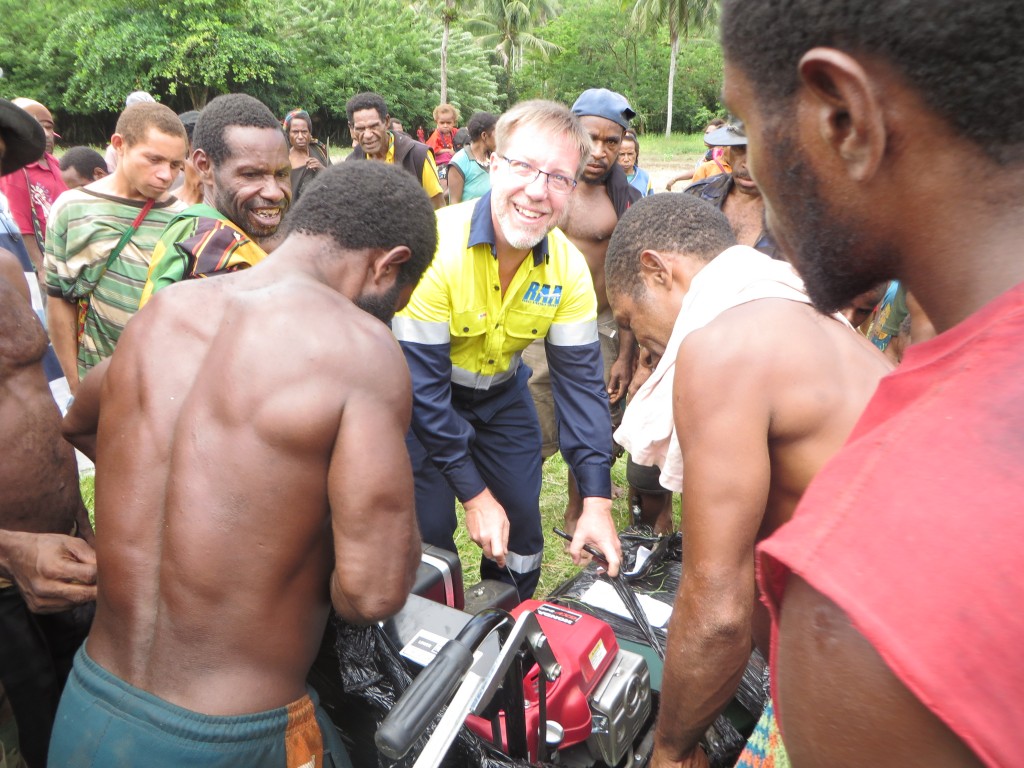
561,185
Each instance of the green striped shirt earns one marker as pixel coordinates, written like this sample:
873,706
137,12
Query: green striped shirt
83,228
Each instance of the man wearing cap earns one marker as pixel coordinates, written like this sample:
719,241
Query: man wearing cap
46,565
592,211
31,191
504,276
736,194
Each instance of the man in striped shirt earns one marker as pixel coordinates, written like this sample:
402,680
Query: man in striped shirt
100,238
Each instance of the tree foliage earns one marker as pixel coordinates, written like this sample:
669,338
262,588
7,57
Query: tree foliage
507,27
316,54
194,47
339,49
602,46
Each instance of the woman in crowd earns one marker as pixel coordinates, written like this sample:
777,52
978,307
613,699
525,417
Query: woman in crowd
469,169
308,156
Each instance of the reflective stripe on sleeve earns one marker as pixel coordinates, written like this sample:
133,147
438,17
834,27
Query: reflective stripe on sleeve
572,334
419,331
523,563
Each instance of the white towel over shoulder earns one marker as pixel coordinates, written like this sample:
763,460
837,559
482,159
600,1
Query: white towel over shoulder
737,275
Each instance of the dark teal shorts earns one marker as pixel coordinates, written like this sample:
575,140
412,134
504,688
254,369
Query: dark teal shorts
104,722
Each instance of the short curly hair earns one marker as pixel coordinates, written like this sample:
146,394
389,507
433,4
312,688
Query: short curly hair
370,205
672,222
367,100
226,112
84,160
965,59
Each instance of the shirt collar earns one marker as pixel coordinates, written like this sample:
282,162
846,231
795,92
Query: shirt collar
481,231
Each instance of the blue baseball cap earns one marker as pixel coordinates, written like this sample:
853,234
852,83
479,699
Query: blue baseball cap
600,102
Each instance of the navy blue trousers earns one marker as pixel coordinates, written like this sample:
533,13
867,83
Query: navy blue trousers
506,451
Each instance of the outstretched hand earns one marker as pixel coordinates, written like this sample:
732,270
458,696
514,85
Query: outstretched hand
488,525
54,572
596,527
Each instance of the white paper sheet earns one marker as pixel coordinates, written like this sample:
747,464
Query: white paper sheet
601,594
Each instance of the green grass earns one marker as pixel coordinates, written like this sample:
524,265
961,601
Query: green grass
557,566
655,147
554,495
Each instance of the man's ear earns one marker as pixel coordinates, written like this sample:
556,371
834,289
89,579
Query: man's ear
117,142
655,269
845,110
202,163
385,267
98,173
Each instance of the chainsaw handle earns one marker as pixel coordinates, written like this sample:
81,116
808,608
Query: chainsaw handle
419,704
434,686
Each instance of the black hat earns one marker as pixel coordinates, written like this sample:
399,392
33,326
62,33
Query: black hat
23,136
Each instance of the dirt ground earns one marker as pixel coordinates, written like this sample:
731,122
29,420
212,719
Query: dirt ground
661,172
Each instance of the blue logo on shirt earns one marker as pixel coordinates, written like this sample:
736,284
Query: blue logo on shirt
543,295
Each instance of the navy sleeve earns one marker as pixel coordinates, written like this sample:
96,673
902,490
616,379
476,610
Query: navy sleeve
584,421
444,434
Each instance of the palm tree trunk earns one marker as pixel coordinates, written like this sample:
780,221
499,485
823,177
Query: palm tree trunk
673,32
445,34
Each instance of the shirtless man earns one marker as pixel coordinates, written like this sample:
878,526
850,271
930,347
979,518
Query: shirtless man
250,477
749,443
43,569
590,215
736,194
896,593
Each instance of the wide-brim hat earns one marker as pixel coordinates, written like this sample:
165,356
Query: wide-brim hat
23,136
732,135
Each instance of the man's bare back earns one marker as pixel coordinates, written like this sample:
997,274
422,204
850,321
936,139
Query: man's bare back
803,381
765,394
250,468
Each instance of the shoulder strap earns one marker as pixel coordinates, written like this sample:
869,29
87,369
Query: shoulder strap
127,235
37,225
83,304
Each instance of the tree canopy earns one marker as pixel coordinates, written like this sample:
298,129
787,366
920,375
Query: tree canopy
316,54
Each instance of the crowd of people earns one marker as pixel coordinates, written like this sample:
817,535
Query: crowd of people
815,344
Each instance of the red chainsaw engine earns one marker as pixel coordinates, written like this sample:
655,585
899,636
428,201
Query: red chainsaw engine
601,699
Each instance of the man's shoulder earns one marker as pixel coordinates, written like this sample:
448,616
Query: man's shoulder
453,225
564,250
713,188
758,334
407,145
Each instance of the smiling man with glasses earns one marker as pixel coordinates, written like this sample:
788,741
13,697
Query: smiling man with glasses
504,276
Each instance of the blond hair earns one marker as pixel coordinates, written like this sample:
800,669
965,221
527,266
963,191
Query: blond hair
543,115
443,109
